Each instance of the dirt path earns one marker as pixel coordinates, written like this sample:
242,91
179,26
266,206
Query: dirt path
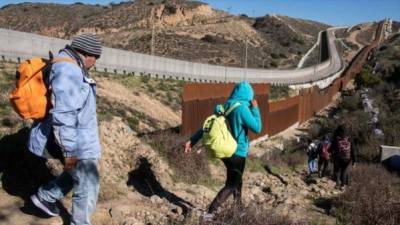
353,39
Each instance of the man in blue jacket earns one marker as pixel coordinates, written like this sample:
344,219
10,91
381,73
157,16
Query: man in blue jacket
72,125
243,118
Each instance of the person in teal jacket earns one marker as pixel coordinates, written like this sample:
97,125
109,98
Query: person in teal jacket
243,118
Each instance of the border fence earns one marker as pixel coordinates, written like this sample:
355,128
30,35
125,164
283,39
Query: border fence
16,45
199,100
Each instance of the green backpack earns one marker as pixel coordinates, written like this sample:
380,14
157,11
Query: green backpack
216,137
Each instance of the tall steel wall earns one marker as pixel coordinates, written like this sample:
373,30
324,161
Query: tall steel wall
199,99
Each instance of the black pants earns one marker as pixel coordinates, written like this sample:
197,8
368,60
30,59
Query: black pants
340,169
322,166
233,185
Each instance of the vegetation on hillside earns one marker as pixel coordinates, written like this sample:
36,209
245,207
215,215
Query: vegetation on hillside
371,201
188,30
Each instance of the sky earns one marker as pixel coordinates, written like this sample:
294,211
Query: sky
333,12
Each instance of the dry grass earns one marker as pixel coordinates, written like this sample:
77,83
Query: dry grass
292,157
251,215
170,146
371,199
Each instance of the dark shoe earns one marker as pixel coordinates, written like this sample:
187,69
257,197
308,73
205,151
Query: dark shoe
49,208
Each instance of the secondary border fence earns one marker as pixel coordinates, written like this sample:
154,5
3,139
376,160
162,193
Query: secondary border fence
199,99
18,46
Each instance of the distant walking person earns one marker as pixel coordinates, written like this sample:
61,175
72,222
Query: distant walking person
243,118
312,153
71,125
323,156
343,152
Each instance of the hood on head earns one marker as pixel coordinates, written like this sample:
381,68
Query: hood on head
219,110
243,93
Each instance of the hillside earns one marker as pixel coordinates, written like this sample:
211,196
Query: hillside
145,177
185,30
370,112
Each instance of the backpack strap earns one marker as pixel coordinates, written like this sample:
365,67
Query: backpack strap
64,59
233,107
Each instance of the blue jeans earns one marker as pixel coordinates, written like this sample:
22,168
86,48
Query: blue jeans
84,180
312,165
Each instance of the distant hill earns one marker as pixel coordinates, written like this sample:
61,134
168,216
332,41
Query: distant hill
186,30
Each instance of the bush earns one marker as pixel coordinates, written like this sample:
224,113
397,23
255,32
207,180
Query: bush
273,64
371,200
298,40
278,92
189,168
282,55
209,38
366,78
285,43
251,215
291,157
274,55
254,165
133,122
170,9
350,103
145,79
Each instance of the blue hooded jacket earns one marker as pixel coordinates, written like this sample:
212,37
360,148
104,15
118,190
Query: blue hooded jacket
241,119
72,119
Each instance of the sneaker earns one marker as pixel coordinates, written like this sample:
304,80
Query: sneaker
207,217
49,208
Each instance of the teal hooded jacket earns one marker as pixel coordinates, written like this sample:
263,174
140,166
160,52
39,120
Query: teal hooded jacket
241,119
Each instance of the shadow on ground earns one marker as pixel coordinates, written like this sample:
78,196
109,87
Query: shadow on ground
146,183
327,204
22,173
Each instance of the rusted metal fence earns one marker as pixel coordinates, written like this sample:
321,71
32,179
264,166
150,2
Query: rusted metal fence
283,114
199,100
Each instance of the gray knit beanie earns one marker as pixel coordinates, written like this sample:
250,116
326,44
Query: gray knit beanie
87,43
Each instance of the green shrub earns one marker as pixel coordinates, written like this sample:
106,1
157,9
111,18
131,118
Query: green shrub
298,40
292,156
133,122
145,79
350,103
254,164
274,56
279,92
273,64
151,89
366,78
209,38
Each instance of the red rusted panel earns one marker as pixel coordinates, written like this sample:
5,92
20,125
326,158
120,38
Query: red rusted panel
283,104
200,100
282,119
192,91
263,105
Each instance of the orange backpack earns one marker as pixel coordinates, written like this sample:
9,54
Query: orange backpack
30,97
